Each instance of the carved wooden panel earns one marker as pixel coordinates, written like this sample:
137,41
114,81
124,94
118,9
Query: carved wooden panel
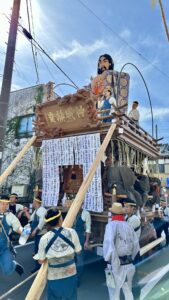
65,115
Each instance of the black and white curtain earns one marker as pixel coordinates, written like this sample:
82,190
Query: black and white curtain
78,150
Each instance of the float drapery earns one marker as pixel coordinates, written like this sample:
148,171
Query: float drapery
78,150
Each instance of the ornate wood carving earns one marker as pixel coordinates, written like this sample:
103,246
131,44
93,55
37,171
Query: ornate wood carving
74,112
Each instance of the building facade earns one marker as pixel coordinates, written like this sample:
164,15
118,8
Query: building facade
19,130
160,168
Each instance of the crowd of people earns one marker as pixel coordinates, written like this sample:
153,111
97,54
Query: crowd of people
64,248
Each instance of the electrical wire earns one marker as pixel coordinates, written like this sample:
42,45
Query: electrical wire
49,70
33,53
122,39
118,88
39,52
29,37
33,29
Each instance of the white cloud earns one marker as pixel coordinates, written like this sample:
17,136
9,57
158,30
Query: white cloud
125,34
14,87
147,41
77,49
158,112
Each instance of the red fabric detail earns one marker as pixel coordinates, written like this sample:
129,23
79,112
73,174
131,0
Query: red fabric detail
118,218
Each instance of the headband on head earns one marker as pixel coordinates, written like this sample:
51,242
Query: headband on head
4,200
130,203
54,217
37,200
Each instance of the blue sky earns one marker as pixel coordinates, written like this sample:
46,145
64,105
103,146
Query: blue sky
128,30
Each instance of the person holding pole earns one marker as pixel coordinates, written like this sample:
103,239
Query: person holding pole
59,246
8,222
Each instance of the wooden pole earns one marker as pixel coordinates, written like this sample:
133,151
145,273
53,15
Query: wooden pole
151,245
13,164
163,18
38,285
7,75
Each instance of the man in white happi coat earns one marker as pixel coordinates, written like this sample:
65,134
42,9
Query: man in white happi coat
131,218
120,247
37,220
134,114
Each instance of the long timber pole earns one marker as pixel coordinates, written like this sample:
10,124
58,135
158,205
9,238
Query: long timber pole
17,159
164,19
39,283
7,75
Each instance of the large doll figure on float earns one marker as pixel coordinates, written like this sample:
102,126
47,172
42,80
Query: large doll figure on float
107,78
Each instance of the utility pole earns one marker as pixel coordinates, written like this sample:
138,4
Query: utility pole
7,75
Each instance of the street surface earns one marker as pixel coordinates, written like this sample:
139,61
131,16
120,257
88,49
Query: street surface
152,276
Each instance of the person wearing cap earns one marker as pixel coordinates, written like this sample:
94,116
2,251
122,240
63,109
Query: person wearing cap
8,222
59,246
131,218
120,247
37,225
19,210
134,114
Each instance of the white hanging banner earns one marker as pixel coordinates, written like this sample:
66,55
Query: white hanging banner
51,183
78,150
86,148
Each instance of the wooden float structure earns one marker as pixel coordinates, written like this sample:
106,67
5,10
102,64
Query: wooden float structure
77,114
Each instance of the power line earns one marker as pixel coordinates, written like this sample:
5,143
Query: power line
34,58
123,40
33,30
29,37
48,69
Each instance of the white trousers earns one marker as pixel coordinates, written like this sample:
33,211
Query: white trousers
114,294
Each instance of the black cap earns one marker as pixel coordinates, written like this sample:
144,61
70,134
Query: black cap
129,201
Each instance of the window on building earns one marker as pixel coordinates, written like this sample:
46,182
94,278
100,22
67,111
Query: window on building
25,127
161,168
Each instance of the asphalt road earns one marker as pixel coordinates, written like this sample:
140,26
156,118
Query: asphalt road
152,276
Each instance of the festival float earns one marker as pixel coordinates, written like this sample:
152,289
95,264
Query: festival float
90,153
70,131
